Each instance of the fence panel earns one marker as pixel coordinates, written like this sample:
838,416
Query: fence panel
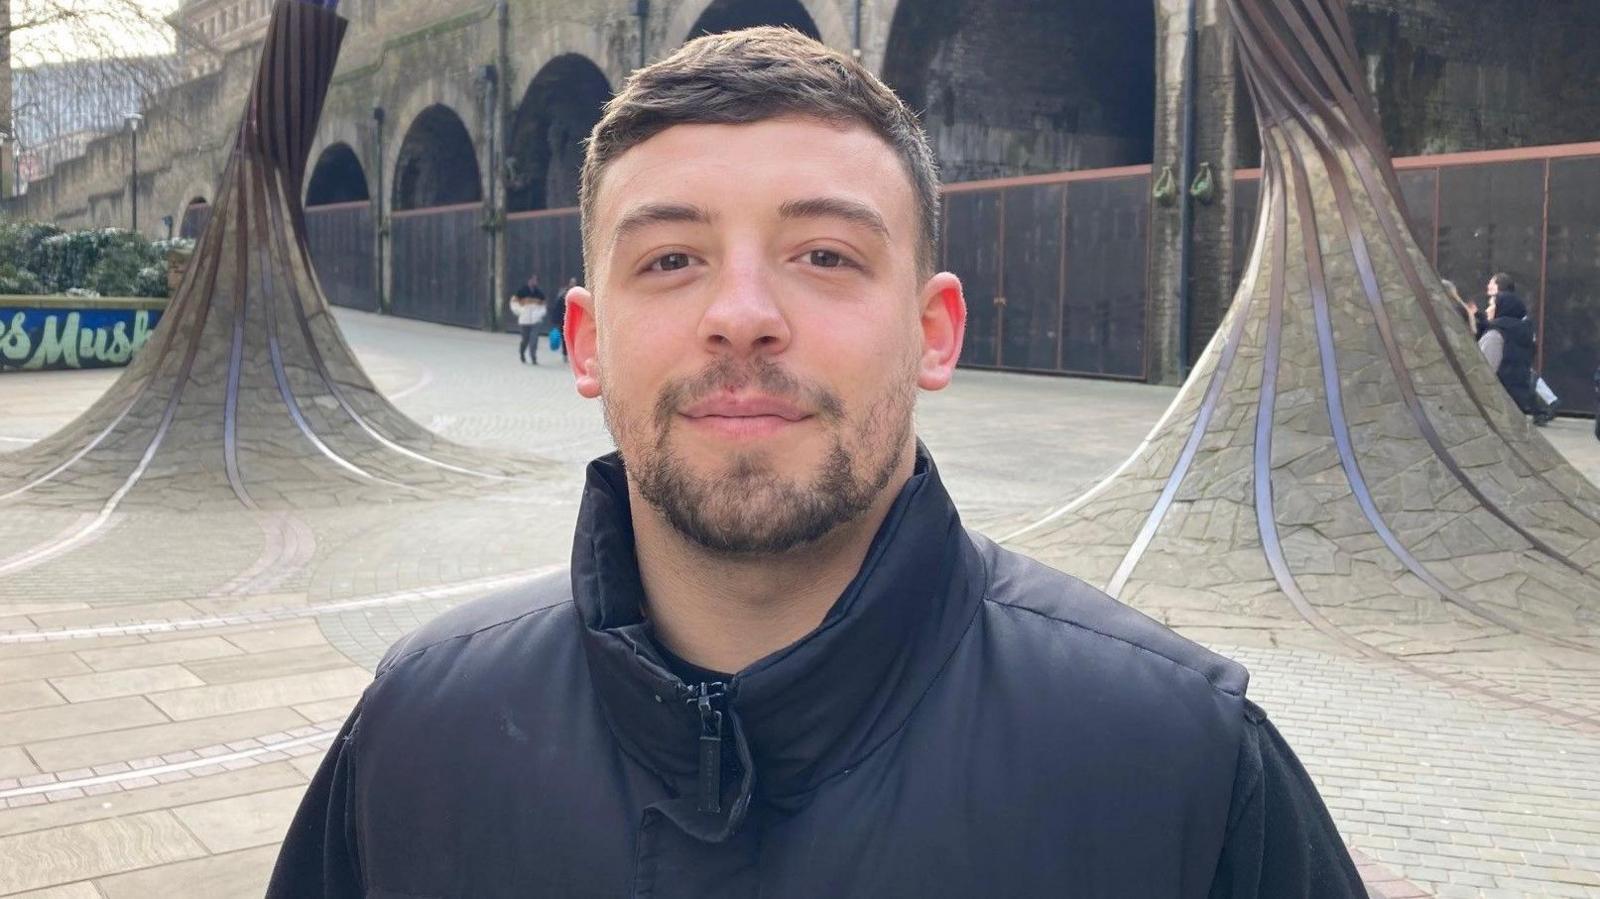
1035,234
1491,217
1419,189
546,244
1107,281
1068,254
1571,327
341,241
440,265
972,243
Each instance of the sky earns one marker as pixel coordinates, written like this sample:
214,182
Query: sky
97,28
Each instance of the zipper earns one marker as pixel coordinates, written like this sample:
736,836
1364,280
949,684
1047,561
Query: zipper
706,698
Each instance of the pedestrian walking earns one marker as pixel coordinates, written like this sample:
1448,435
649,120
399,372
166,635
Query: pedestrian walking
527,304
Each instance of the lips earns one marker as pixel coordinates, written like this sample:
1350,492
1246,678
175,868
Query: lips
730,406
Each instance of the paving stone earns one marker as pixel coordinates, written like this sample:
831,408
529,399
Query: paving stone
297,660
42,666
188,649
241,822
204,702
96,807
15,763
242,873
80,890
27,695
81,851
79,718
98,749
127,682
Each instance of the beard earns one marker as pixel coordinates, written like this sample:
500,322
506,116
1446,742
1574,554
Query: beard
749,508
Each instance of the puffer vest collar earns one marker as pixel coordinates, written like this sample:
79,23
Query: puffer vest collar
803,714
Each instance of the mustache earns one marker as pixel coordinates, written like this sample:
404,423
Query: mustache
730,376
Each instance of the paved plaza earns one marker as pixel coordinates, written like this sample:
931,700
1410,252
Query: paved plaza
170,679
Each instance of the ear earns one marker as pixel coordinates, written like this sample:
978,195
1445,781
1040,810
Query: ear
583,346
944,325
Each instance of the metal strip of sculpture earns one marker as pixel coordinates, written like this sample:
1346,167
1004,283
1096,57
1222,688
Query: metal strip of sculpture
1341,454
247,395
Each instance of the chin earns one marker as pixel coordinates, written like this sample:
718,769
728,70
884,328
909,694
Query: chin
768,458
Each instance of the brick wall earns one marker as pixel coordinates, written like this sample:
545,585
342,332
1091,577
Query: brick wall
1015,87
1487,74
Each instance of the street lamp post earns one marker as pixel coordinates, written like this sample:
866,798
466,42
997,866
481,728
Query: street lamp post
133,119
9,138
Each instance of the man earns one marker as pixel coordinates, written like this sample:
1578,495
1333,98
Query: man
779,666
527,304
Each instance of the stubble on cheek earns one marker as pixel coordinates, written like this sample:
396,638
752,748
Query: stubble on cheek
747,507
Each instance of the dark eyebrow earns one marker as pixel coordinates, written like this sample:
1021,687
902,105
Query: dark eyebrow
836,208
641,217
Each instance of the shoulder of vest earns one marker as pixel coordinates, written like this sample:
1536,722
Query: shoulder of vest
499,609
1019,582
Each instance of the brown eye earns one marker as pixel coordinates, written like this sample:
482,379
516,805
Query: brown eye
826,259
672,262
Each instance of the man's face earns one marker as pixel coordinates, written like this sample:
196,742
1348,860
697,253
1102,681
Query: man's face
759,327
1493,289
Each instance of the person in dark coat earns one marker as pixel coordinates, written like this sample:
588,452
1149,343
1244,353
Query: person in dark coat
779,664
1508,344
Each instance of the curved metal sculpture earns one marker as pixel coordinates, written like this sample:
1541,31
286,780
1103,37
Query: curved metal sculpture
247,395
1341,454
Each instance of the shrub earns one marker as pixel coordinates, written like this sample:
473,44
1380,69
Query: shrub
42,259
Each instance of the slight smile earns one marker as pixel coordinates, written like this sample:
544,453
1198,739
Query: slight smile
733,416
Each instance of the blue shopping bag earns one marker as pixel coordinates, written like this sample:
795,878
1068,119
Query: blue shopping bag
555,338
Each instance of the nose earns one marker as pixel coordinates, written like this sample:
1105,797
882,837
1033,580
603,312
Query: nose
745,317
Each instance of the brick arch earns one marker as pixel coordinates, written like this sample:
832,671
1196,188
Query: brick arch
354,134
1017,87
546,131
833,23
529,57
337,175
194,188
403,111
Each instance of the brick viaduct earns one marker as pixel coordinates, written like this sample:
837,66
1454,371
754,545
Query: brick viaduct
433,94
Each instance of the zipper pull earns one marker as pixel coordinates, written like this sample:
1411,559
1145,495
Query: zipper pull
705,699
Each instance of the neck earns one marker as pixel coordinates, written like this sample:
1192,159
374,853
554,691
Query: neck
724,612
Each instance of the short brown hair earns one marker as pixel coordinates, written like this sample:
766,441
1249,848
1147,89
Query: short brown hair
748,76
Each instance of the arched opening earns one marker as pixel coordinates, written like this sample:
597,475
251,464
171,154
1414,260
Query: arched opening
195,216
731,15
337,178
438,165
545,144
1022,87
